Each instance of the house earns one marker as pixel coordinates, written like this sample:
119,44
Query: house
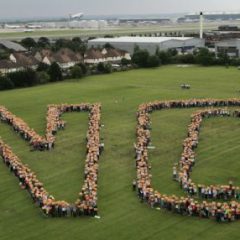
25,60
65,57
95,56
18,61
7,66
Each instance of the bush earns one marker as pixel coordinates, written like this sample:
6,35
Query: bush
5,83
84,68
24,78
140,58
204,57
153,61
125,61
43,42
76,72
108,68
42,67
43,77
104,68
100,67
55,72
186,59
29,43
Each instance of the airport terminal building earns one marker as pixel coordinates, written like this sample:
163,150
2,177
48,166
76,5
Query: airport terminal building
183,44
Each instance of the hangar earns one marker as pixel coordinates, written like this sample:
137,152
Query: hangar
128,44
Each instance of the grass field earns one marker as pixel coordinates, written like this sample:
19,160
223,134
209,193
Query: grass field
122,215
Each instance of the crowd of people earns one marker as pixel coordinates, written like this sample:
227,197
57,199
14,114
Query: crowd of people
221,211
86,204
187,161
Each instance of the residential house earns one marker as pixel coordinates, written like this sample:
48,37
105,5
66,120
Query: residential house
7,66
112,55
18,61
65,57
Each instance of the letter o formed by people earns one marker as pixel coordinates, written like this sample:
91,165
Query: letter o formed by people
221,211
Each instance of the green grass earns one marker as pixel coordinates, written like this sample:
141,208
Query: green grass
122,215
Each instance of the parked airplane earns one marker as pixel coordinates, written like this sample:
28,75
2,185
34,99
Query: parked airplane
12,26
30,26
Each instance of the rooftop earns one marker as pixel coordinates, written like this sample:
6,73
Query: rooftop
12,45
139,39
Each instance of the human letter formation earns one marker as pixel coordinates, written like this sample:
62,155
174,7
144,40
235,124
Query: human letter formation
86,204
221,211
228,209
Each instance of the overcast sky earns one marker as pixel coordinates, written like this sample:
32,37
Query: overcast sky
46,8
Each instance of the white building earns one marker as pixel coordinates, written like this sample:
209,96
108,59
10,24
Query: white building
185,44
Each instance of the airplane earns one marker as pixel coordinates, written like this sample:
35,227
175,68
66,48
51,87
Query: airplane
12,26
76,16
30,26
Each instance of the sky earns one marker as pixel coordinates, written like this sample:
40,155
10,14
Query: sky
48,8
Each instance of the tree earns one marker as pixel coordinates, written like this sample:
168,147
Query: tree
25,78
77,40
5,83
108,36
43,42
108,68
76,45
100,67
29,43
157,51
107,45
140,58
136,48
204,57
186,59
104,68
125,61
42,67
55,72
164,57
76,72
153,61
43,77
84,68
223,58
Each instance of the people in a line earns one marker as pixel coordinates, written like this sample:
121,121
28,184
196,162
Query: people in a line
221,211
86,204
188,156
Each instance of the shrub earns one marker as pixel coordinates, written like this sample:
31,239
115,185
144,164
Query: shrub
125,61
24,78
55,72
43,77
76,72
5,83
153,61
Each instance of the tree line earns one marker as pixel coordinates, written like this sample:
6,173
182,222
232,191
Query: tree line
202,56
